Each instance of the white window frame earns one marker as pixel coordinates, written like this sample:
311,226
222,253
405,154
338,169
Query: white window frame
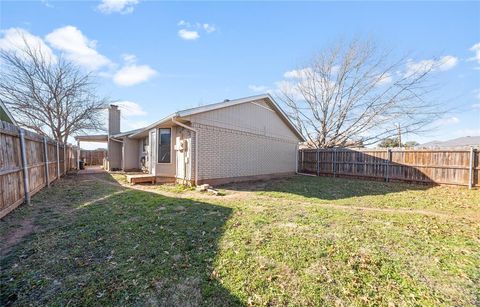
158,146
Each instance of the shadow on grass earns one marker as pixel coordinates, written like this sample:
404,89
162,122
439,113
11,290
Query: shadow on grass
326,188
112,245
372,168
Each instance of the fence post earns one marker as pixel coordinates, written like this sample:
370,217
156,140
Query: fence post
334,161
387,166
303,161
58,160
318,162
64,159
79,152
45,156
26,186
471,168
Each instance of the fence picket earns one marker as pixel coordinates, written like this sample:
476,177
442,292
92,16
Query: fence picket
442,166
45,158
25,166
26,186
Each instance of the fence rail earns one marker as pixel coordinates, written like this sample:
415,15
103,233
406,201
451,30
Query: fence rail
449,166
28,163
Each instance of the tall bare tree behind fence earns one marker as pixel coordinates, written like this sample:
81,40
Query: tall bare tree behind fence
440,166
28,163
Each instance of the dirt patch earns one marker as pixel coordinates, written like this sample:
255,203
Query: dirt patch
16,235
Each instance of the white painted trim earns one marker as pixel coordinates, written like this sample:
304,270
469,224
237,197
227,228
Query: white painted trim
152,154
171,147
196,146
259,105
220,105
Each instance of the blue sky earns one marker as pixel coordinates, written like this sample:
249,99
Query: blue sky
160,57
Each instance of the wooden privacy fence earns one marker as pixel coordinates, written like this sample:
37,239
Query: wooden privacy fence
93,157
440,166
29,162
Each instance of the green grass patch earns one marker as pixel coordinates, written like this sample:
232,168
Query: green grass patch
298,242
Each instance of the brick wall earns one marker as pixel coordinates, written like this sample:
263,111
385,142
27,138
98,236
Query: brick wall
225,153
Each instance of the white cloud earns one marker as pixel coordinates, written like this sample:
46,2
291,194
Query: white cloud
191,31
129,58
258,88
419,67
476,48
132,74
117,6
131,125
304,73
183,23
447,62
298,73
298,79
443,64
14,39
289,88
80,50
77,47
188,35
476,105
209,28
47,3
130,108
385,79
446,121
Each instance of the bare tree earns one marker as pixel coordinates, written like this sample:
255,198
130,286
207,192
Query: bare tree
48,95
355,94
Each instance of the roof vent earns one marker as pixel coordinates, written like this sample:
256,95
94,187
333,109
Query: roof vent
226,100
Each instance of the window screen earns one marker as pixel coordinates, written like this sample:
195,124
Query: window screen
164,143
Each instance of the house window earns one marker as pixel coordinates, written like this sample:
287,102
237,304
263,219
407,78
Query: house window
164,145
145,144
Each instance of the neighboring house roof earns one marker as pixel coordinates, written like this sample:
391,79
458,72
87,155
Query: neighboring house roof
5,115
224,104
462,141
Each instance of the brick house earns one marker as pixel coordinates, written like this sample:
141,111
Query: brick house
234,140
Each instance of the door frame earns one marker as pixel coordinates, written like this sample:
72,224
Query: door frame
152,145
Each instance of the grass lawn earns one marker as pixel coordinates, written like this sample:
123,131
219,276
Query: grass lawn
88,240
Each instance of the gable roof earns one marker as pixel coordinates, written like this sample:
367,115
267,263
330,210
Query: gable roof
5,115
225,104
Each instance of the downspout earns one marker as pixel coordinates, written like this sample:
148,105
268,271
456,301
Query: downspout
196,145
